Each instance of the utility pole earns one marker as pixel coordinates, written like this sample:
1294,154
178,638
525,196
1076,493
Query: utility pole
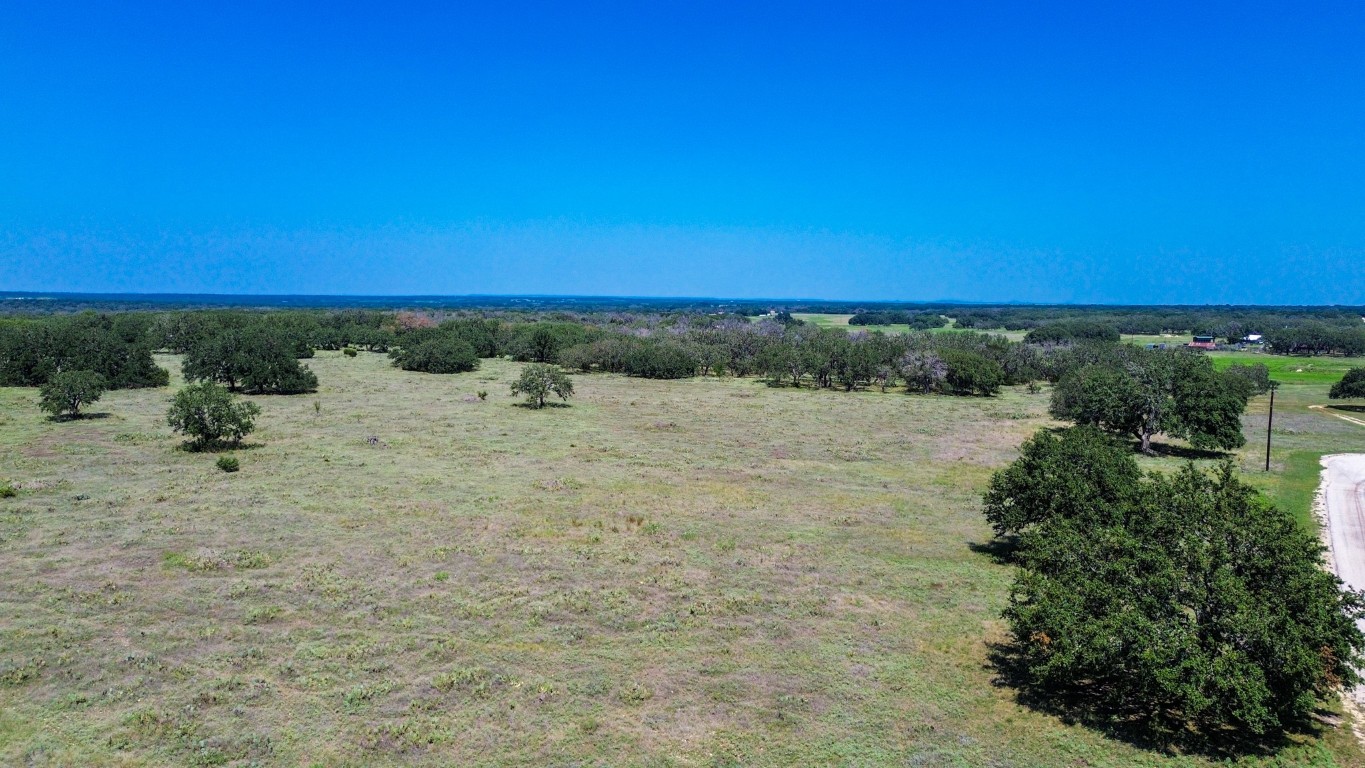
1270,423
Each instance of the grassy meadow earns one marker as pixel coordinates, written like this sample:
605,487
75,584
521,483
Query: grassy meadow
705,572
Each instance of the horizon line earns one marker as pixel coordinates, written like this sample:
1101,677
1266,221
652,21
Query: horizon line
152,297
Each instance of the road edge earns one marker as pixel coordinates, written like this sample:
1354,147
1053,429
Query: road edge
1353,700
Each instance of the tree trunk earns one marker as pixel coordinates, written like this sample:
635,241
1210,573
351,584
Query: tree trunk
1147,443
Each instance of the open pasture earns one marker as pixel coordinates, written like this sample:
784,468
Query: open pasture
1293,369
705,572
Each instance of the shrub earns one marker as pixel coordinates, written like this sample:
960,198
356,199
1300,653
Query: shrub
7,490
64,393
539,380
483,394
660,360
436,354
228,463
1351,385
210,416
349,352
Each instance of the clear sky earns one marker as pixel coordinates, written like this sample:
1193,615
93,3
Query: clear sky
1089,152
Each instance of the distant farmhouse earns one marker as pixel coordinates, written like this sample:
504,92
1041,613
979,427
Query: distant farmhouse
1203,342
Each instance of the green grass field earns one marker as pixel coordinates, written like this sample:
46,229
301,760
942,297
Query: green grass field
705,572
1288,369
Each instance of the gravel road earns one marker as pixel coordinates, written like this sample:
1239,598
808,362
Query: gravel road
1343,496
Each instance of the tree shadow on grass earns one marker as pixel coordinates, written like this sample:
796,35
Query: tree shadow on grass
193,447
1186,452
1081,705
531,407
1002,549
1348,408
80,417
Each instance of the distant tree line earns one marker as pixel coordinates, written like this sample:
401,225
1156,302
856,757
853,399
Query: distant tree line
1120,388
1072,331
1228,323
921,321
1315,338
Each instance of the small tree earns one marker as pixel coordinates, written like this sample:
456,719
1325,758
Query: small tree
64,393
210,415
438,354
970,373
923,371
1351,385
539,380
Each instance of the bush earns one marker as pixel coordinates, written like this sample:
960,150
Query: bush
436,354
539,380
660,360
228,463
211,416
1351,385
64,393
349,352
1167,601
7,490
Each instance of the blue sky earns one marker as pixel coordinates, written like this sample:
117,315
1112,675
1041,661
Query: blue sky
1087,152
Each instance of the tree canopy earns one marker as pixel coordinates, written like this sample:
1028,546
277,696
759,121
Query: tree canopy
1172,601
254,358
1352,384
211,416
64,393
538,381
117,347
1146,392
